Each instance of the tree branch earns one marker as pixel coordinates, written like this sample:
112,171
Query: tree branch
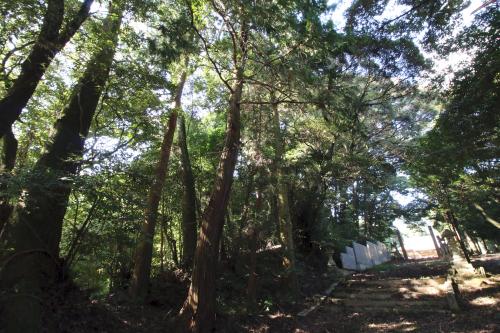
206,48
72,27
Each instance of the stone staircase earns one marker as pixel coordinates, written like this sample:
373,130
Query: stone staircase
390,295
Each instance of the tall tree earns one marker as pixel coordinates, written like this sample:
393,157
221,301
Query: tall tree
144,251
189,225
53,36
283,205
32,265
198,312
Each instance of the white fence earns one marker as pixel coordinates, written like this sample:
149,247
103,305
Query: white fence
360,257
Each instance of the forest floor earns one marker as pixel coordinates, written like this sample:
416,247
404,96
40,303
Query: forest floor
393,297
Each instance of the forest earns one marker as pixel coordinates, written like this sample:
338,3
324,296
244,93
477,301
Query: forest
195,165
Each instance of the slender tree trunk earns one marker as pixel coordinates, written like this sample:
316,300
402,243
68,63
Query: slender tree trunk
355,204
471,245
252,276
244,217
274,214
485,245
189,225
198,312
34,236
253,238
52,38
434,241
450,218
482,250
402,244
162,253
285,220
73,248
476,246
144,251
172,243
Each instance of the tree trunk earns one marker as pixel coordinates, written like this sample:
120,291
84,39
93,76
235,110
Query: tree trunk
434,241
9,159
172,243
144,251
355,205
162,253
253,238
189,225
402,244
73,248
285,221
34,236
252,270
476,246
485,245
50,41
198,312
450,218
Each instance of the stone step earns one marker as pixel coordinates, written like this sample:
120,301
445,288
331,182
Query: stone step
399,310
390,304
364,295
384,294
392,283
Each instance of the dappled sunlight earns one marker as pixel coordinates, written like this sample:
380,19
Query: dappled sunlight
260,329
425,287
485,301
279,315
403,326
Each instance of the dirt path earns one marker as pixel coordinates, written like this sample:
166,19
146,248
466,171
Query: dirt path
405,297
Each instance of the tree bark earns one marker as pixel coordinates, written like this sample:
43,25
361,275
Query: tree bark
52,38
253,238
189,225
198,312
283,205
34,236
144,251
402,244
9,160
49,42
